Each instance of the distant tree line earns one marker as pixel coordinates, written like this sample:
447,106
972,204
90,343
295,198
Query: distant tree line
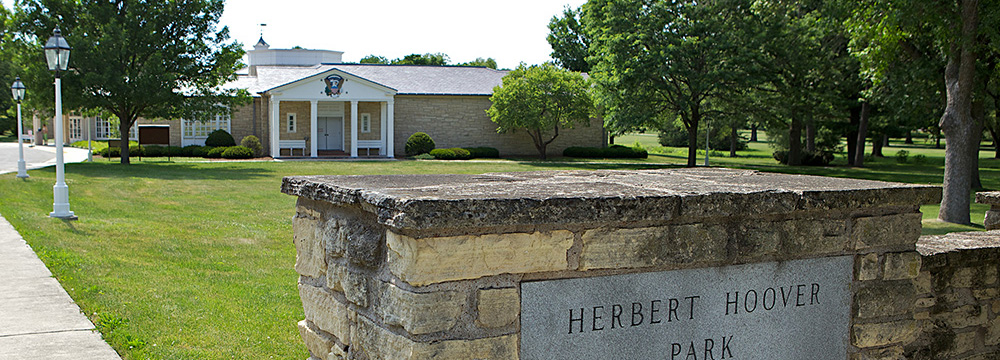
438,59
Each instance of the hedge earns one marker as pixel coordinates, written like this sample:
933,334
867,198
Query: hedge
611,152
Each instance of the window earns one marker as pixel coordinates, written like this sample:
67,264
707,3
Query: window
75,128
107,129
202,127
291,122
366,123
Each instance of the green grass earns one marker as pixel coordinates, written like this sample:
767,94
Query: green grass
189,260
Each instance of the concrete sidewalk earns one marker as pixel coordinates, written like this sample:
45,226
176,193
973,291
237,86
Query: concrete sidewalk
38,319
37,157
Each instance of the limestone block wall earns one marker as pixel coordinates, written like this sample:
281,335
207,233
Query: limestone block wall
418,267
958,297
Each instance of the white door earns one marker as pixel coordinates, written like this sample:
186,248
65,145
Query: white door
330,130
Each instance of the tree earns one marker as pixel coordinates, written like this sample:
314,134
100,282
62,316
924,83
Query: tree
540,100
373,59
957,30
156,59
437,59
487,63
656,61
569,41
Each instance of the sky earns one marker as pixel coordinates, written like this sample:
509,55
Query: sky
510,31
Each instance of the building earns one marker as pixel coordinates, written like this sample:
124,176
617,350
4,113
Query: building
308,103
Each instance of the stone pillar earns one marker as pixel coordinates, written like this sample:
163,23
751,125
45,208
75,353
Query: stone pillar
992,221
632,263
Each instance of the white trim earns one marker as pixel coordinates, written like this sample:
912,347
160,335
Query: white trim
313,124
291,122
275,105
390,128
354,128
382,127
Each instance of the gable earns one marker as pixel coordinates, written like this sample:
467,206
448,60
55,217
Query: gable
333,84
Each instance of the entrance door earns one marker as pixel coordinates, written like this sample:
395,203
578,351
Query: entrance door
330,130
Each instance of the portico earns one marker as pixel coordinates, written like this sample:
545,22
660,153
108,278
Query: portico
345,113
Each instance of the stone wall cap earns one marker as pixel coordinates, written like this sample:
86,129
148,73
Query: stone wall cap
937,244
988,197
559,197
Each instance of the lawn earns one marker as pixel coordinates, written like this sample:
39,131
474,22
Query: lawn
188,260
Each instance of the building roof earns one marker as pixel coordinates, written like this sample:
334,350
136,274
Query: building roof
405,79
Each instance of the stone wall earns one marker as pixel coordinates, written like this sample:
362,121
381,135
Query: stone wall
957,304
461,121
432,266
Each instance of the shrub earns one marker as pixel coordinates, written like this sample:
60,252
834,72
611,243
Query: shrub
611,152
419,143
816,158
483,152
237,152
451,154
216,152
189,150
902,156
424,157
253,143
110,152
136,150
201,151
175,151
919,159
153,151
219,138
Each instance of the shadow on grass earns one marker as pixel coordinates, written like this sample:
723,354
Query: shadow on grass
169,171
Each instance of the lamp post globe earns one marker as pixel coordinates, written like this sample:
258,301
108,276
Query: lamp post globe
57,59
17,91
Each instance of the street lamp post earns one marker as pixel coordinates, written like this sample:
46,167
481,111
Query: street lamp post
57,58
17,89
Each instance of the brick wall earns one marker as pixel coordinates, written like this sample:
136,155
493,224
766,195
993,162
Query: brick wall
461,121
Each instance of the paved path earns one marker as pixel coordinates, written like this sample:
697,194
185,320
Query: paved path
36,157
38,319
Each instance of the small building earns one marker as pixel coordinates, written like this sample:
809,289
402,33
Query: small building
308,103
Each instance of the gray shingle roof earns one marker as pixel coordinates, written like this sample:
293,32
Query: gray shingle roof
406,79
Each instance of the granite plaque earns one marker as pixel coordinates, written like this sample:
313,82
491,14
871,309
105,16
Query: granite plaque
779,310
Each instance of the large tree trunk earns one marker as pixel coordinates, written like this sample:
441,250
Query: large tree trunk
909,137
878,142
957,122
852,133
811,135
692,128
859,153
795,142
124,125
732,140
753,132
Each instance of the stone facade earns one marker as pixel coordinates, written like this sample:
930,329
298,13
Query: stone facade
432,266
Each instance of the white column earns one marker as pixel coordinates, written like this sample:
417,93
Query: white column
22,171
275,106
382,126
354,128
313,132
60,192
390,129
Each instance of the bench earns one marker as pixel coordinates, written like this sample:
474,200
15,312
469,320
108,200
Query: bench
291,145
369,145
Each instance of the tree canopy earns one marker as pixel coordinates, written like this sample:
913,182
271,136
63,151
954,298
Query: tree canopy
135,58
540,100
435,59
